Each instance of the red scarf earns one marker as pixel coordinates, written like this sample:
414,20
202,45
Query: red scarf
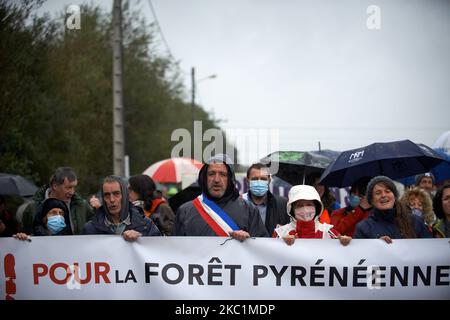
307,230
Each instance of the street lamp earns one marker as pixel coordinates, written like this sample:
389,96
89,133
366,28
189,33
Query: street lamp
213,76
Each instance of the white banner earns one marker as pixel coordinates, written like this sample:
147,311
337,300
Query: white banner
192,268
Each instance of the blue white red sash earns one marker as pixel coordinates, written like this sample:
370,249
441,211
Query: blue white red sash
214,216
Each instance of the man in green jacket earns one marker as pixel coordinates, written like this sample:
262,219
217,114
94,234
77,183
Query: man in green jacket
62,186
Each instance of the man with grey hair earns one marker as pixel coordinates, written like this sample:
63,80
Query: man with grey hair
117,215
219,210
61,186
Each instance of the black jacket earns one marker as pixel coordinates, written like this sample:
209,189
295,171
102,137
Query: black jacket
377,225
276,212
189,222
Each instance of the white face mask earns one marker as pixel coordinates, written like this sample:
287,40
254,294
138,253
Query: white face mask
305,213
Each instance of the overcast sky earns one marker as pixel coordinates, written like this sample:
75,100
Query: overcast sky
313,70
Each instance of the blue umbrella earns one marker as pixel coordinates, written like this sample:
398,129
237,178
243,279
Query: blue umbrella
397,159
441,172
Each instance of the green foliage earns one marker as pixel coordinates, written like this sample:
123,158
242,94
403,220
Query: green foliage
56,95
23,61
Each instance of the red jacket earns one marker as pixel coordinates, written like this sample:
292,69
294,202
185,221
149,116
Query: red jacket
307,230
325,217
345,222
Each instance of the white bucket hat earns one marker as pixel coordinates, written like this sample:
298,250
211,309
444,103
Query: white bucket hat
304,192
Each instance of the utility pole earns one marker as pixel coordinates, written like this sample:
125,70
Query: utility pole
193,85
193,88
118,124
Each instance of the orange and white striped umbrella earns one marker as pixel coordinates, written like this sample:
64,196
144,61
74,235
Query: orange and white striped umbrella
172,170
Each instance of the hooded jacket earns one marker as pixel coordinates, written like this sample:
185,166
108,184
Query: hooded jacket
313,229
80,211
130,218
189,222
40,229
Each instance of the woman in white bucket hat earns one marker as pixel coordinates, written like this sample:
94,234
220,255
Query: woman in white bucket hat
304,208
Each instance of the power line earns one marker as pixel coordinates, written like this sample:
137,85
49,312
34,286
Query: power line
164,38
160,30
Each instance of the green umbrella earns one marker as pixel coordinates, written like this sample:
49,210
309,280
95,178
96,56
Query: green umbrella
295,166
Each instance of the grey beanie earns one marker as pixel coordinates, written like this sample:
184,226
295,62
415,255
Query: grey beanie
419,177
386,180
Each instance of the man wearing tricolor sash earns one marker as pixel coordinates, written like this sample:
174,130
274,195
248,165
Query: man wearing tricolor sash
219,211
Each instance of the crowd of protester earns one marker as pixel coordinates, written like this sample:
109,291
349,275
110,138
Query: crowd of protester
132,208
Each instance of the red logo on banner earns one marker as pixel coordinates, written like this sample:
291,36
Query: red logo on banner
10,276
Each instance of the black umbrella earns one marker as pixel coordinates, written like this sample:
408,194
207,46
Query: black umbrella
294,166
397,159
11,184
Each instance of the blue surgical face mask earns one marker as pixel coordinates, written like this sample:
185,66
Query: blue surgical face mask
259,187
55,224
354,200
416,212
